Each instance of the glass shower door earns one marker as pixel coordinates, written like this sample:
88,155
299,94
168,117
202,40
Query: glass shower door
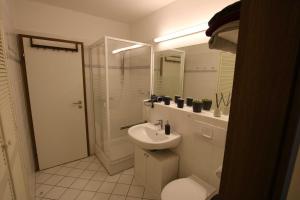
98,76
129,68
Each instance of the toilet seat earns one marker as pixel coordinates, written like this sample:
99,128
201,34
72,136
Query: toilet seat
191,188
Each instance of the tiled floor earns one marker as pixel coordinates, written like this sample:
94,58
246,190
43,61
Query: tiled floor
87,179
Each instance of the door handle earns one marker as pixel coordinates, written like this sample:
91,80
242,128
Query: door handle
77,103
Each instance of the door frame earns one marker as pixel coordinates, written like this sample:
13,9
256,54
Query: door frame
264,126
26,89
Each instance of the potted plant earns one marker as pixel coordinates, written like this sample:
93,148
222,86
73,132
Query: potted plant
180,103
167,100
189,101
197,106
206,104
176,98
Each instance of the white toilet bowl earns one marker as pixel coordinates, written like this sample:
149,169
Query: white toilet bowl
191,188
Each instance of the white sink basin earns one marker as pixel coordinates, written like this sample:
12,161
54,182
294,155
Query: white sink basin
148,137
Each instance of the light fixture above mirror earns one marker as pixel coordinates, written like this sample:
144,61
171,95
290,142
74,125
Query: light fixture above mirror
181,33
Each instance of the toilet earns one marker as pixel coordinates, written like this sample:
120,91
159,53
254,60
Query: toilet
191,188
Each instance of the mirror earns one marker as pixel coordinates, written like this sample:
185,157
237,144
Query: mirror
205,72
168,72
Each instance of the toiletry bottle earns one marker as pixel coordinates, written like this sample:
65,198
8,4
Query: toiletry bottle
167,128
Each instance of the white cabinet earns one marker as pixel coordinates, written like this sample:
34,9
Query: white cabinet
155,169
140,160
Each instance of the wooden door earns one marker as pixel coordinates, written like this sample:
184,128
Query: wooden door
265,111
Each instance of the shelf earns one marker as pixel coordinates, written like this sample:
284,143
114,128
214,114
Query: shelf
203,117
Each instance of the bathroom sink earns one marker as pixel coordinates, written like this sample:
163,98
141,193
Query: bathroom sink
147,136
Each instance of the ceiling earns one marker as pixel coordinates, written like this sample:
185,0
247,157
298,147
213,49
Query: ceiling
120,10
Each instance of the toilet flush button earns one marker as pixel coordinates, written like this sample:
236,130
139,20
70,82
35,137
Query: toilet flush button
207,133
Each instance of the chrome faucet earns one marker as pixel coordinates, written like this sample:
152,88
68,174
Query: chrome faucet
160,123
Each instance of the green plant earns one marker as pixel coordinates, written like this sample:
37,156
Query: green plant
206,100
197,101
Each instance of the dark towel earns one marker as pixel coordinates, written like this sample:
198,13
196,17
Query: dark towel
217,24
228,14
232,8
216,197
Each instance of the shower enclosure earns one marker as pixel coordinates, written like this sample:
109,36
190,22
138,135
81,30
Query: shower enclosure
121,79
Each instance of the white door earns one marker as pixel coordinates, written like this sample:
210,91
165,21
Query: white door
55,85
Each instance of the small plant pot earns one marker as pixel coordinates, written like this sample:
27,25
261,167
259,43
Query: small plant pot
180,103
207,104
160,99
167,100
189,101
176,98
197,107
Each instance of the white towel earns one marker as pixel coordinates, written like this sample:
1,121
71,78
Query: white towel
225,37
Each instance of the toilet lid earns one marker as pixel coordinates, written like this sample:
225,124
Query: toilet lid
187,188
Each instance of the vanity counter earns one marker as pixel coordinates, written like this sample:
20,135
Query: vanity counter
203,116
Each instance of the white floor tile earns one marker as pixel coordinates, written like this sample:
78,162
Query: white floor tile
101,168
75,173
100,176
63,171
54,180
136,191
42,190
88,159
79,184
117,197
66,181
70,194
94,166
87,174
134,182
149,195
129,171
72,164
55,193
42,178
93,185
52,170
97,160
133,198
126,179
86,195
107,187
101,196
113,178
82,165
87,179
121,189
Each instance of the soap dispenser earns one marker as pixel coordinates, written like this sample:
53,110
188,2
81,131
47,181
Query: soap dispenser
167,128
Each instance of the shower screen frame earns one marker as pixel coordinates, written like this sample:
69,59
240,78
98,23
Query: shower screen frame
105,42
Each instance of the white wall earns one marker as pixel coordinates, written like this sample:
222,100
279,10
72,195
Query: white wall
176,16
25,159
41,19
